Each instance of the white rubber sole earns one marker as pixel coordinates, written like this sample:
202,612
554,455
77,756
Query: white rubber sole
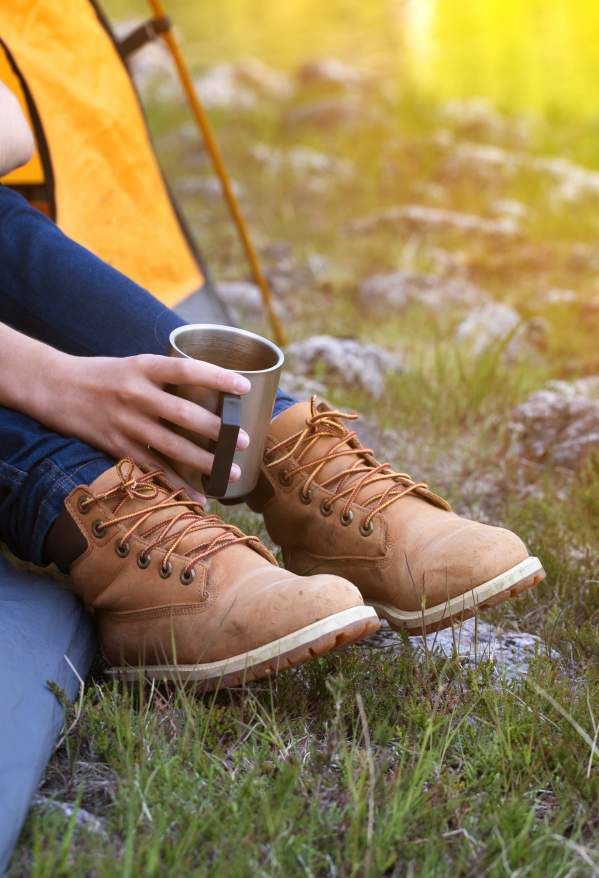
307,643
523,576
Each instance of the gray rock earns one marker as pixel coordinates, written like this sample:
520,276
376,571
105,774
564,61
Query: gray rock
241,296
581,388
477,117
83,819
240,85
301,160
219,87
487,326
399,289
329,72
493,323
330,113
432,219
509,207
474,641
289,276
572,181
558,296
344,361
559,425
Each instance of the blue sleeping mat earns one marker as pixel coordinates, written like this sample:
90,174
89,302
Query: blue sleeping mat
40,623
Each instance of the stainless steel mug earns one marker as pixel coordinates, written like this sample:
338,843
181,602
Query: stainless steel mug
261,362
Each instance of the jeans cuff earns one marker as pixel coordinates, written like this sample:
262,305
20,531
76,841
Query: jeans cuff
50,486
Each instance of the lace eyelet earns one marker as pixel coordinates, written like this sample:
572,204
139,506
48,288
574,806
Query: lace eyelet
165,570
84,503
98,528
346,520
122,549
143,560
187,576
305,497
366,529
284,478
326,509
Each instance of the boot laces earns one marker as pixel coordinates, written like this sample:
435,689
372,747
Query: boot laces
188,515
364,471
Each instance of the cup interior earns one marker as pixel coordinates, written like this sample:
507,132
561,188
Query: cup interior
230,348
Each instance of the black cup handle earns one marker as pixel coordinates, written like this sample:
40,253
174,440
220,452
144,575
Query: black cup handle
224,449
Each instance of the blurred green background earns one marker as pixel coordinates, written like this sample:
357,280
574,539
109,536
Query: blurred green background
521,54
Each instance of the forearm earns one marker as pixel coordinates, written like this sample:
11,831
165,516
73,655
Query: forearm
52,288
31,374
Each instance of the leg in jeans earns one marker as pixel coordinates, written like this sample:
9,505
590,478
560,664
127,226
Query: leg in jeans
57,291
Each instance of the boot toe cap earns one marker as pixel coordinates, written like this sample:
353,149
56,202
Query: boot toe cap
462,559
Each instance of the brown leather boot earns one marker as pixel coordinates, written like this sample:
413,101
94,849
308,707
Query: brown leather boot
182,595
333,508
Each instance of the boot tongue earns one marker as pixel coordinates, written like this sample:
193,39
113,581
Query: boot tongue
134,480
331,431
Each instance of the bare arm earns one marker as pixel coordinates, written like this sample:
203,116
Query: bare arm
16,140
114,404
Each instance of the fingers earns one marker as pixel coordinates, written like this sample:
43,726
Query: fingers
175,370
175,447
190,416
143,455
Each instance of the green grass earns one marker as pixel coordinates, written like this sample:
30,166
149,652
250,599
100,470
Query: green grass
376,762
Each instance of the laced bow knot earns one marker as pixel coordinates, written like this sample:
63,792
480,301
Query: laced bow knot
134,487
187,518
347,483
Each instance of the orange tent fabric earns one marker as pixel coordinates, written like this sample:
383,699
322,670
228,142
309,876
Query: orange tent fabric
109,194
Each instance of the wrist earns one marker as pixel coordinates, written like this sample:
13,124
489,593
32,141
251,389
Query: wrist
51,385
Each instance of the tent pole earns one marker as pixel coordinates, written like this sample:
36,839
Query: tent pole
220,170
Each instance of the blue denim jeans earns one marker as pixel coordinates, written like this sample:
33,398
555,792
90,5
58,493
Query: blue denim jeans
54,290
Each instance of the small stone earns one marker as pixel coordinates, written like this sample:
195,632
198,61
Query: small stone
238,86
329,113
219,87
572,181
287,275
509,207
558,296
301,160
83,819
329,72
399,289
348,362
477,117
241,295
559,425
490,325
432,219
474,641
581,388
266,81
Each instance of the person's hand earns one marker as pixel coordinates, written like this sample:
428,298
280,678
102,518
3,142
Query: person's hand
118,405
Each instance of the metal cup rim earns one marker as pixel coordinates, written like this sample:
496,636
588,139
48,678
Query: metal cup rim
232,330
